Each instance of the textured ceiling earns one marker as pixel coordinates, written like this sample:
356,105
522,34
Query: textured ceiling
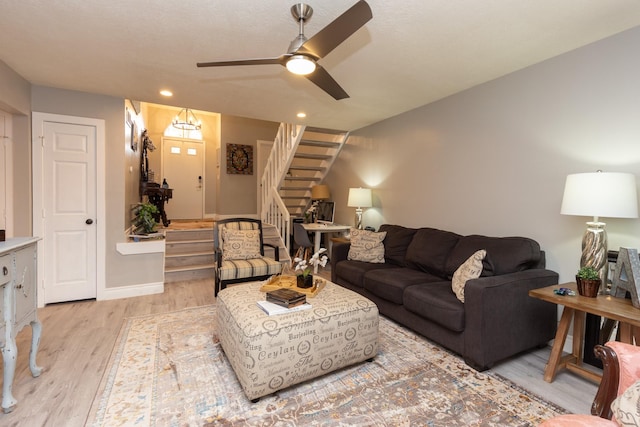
411,53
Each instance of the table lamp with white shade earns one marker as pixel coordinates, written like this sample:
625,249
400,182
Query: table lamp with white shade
359,198
599,194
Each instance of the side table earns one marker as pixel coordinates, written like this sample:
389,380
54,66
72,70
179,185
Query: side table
575,308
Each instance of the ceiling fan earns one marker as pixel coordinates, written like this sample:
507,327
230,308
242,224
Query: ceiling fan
303,53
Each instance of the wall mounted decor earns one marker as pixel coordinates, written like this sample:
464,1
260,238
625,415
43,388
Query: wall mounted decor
239,159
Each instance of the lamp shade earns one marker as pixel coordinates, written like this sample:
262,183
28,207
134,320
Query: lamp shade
359,198
320,192
600,194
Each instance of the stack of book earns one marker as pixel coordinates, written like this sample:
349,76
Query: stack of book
281,301
286,297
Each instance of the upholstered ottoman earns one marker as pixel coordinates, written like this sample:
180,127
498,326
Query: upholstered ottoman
269,353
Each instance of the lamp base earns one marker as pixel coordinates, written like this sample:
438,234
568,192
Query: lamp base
594,248
358,220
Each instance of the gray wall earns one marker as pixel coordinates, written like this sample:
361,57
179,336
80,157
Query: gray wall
237,194
120,270
15,98
493,159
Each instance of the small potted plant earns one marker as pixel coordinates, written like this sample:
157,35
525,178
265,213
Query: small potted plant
588,281
305,280
146,217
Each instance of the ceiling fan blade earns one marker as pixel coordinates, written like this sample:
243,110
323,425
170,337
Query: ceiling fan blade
324,81
338,31
281,60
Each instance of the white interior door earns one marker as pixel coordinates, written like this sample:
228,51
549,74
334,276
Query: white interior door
69,209
183,168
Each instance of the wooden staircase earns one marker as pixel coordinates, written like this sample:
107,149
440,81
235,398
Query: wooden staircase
312,159
188,254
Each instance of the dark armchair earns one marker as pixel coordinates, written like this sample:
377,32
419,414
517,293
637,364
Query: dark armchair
239,253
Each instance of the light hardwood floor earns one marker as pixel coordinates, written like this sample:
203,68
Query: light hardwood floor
78,337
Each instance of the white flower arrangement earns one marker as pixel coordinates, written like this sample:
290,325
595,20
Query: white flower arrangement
316,260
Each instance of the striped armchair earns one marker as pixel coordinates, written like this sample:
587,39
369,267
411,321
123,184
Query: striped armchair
239,253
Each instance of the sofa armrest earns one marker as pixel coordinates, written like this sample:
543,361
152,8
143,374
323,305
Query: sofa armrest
501,318
339,252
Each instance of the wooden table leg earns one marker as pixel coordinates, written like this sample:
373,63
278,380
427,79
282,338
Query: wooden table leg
558,344
579,318
626,333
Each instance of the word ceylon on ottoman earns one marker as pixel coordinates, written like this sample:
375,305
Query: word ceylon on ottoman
269,353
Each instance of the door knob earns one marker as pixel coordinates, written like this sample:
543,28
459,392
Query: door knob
89,221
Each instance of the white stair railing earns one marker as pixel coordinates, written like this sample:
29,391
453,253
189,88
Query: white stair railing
273,210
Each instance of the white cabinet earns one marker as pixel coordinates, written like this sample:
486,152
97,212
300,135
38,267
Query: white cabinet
18,271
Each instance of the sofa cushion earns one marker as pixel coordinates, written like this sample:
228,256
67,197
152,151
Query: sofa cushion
429,250
353,271
396,243
470,269
366,246
436,302
504,254
389,284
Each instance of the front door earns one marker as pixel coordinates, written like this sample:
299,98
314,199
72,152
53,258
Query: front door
68,201
183,168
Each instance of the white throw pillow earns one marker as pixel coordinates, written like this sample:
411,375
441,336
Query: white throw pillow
367,246
470,269
626,407
240,244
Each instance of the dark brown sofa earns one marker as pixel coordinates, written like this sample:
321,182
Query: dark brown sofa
413,287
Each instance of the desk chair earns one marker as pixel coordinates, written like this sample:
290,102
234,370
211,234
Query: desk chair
239,253
305,245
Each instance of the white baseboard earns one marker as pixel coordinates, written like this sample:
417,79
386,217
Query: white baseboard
132,291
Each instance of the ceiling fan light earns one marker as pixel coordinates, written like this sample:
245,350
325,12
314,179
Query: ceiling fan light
301,65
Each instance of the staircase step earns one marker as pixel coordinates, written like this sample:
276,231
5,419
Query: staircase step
178,275
295,188
312,156
188,246
321,130
307,168
301,178
316,143
190,260
189,235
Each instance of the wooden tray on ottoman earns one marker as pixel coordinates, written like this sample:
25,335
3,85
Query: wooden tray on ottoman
278,282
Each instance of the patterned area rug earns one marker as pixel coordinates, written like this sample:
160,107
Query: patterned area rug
169,370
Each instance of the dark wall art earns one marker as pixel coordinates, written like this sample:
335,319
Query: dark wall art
239,159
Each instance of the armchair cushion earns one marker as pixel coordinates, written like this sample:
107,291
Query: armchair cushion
240,269
626,407
240,244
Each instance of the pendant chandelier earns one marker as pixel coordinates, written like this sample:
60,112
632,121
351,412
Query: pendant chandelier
186,120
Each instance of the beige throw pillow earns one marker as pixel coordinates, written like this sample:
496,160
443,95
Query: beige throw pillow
470,269
367,246
240,244
626,407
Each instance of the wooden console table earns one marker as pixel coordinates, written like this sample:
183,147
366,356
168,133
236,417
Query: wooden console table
18,305
575,308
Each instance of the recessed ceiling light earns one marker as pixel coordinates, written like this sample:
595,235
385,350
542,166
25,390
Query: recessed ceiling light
301,115
166,92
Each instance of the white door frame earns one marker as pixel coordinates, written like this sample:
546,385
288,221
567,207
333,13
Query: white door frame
6,145
38,194
264,151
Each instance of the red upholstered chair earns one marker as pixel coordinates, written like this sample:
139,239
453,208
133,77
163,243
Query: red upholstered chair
621,369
